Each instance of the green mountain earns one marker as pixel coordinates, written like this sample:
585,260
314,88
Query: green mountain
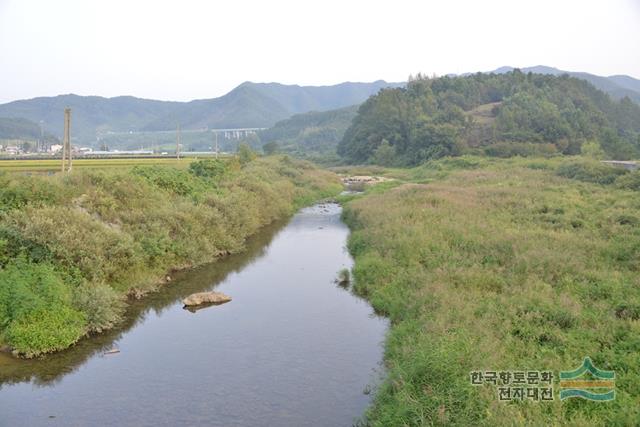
500,114
616,86
23,129
626,82
90,114
248,105
244,106
312,133
300,99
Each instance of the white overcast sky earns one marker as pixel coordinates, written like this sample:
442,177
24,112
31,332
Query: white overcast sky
187,49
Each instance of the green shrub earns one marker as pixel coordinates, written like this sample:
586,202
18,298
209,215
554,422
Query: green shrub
108,234
271,148
592,149
26,287
13,244
46,330
209,168
103,307
590,171
75,239
538,166
245,154
174,180
16,192
523,149
629,181
36,310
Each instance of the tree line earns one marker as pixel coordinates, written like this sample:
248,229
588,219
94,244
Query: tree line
494,114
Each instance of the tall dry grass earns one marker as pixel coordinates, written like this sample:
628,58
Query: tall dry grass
499,265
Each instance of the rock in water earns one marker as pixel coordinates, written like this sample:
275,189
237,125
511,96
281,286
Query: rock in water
206,298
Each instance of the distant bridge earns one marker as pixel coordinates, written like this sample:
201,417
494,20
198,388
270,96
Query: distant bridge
228,133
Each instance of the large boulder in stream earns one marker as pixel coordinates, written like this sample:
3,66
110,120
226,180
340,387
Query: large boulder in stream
206,298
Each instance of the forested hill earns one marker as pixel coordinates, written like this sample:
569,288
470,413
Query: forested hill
248,105
617,86
499,114
264,104
91,115
310,133
12,128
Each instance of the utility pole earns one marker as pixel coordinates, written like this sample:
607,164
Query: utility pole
41,145
178,142
216,144
66,144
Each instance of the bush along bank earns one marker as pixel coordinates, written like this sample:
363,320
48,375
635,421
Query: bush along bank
503,266
74,247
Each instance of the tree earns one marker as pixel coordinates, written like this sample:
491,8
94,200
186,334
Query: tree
271,148
27,146
435,117
592,149
385,154
245,154
616,147
209,168
432,141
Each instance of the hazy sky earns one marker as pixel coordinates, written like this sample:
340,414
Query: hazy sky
186,49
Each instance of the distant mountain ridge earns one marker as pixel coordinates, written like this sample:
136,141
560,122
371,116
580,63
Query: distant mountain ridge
312,132
617,86
19,128
248,105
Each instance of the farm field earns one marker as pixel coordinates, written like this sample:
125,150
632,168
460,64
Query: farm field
54,165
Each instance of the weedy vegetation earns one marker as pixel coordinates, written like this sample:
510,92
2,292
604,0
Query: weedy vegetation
74,247
488,264
344,276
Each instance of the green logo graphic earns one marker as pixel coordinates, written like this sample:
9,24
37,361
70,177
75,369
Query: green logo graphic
600,386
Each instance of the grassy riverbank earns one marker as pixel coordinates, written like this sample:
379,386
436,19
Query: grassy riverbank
72,248
500,265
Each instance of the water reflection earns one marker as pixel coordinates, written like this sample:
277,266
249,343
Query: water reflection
49,369
291,349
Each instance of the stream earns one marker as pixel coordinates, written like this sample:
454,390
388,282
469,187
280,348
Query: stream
292,348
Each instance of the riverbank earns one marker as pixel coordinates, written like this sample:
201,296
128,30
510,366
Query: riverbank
73,248
498,265
293,348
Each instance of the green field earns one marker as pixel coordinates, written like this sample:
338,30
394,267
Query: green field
500,265
55,165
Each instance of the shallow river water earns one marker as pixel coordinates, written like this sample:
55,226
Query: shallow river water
291,349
